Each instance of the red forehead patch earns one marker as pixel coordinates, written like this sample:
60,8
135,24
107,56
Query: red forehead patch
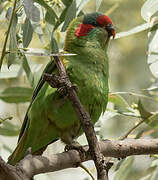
83,29
104,20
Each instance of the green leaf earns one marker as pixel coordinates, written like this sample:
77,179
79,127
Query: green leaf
153,121
124,169
61,19
70,15
27,33
149,8
54,45
67,2
49,18
143,112
146,177
134,30
153,59
32,12
80,4
7,148
8,129
154,27
155,174
48,8
9,13
154,163
13,42
119,101
98,3
27,70
12,72
153,87
136,95
16,95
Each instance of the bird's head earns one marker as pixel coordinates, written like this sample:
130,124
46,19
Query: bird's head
94,29
95,20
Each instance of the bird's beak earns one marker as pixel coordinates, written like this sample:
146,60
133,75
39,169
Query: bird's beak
111,30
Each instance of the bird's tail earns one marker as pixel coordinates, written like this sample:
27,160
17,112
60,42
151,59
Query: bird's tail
18,153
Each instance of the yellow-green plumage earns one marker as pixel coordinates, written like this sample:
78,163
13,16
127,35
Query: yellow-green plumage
51,116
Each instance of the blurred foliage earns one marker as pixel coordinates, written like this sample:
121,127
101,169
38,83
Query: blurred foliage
30,29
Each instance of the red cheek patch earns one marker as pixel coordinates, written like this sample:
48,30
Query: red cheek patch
83,29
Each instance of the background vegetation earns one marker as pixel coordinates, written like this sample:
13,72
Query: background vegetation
133,73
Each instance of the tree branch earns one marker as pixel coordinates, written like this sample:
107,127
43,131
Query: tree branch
33,165
70,159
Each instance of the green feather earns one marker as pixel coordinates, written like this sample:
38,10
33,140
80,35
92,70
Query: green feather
50,116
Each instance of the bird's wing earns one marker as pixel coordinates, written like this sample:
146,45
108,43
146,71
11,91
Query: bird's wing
50,67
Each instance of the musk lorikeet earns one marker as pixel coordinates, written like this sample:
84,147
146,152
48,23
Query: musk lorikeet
50,116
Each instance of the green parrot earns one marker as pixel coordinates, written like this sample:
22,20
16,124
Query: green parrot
50,116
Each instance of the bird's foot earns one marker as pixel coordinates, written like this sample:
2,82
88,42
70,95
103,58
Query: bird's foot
74,86
76,146
63,91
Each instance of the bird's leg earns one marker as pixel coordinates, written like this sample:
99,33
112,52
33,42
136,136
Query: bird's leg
74,145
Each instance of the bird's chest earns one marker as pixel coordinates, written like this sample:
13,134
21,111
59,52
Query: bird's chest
92,83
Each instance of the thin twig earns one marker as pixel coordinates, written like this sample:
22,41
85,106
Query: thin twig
7,34
87,170
133,128
112,9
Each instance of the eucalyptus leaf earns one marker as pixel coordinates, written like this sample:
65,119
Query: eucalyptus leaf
80,4
143,112
153,50
54,45
32,11
67,2
154,67
9,13
61,18
27,33
49,18
124,169
12,72
153,121
155,174
9,129
154,163
70,15
7,147
149,8
15,69
154,27
153,87
33,14
16,94
47,7
98,3
27,70
119,101
134,30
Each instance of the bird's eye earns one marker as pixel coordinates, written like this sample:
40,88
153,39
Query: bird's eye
110,29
